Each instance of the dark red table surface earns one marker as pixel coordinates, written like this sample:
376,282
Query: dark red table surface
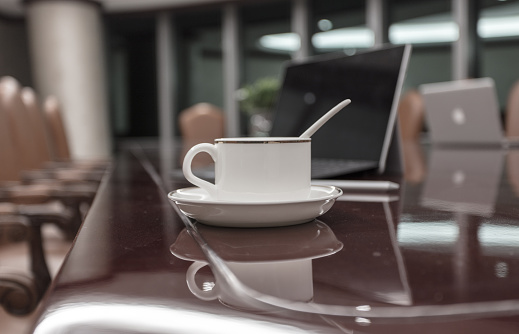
441,255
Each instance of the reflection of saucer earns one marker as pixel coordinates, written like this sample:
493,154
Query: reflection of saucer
305,241
196,203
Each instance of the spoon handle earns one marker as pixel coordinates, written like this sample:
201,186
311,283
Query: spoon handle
320,122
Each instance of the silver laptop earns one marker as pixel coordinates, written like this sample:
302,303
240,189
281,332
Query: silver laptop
464,112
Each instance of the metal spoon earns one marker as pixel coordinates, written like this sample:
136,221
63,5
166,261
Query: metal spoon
320,122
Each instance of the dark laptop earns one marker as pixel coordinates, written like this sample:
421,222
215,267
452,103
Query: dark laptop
358,137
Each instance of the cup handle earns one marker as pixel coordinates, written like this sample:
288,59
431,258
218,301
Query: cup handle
188,173
191,284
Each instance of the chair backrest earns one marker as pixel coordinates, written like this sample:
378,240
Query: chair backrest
57,132
512,169
9,169
22,135
201,123
411,115
37,124
512,112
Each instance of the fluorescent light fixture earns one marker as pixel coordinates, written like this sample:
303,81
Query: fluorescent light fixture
344,38
416,33
288,42
399,33
503,26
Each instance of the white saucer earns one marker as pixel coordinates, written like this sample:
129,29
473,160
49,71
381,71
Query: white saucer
196,203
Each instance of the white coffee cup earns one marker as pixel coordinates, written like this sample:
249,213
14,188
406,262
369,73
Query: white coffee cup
256,168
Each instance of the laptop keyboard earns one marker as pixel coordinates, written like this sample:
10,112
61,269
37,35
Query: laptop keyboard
322,168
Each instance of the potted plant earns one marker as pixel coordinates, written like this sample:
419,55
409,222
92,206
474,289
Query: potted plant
256,101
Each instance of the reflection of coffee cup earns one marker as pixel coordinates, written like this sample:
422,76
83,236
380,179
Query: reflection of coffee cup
271,261
255,169
289,280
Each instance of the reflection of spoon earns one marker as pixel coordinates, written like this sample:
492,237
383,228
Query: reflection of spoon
320,122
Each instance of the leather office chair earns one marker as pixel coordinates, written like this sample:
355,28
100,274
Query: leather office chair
512,112
36,125
512,169
411,113
41,150
411,116
58,138
22,135
201,123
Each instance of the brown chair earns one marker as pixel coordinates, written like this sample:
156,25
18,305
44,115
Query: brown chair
512,170
201,123
512,112
58,137
37,125
48,168
411,115
23,139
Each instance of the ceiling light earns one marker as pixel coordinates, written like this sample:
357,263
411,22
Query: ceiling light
415,33
344,38
288,42
503,26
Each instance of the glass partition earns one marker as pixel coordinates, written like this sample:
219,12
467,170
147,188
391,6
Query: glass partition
429,26
267,44
131,65
498,28
339,26
199,51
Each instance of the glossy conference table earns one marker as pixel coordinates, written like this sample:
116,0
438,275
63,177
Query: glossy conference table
441,255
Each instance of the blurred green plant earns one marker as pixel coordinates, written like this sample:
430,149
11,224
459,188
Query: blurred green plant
259,96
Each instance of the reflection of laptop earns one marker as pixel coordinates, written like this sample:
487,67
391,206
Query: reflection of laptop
358,137
370,265
464,112
465,181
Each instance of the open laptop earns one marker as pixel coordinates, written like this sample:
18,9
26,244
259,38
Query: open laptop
358,138
464,112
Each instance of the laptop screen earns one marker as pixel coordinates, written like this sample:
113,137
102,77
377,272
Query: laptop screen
362,131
